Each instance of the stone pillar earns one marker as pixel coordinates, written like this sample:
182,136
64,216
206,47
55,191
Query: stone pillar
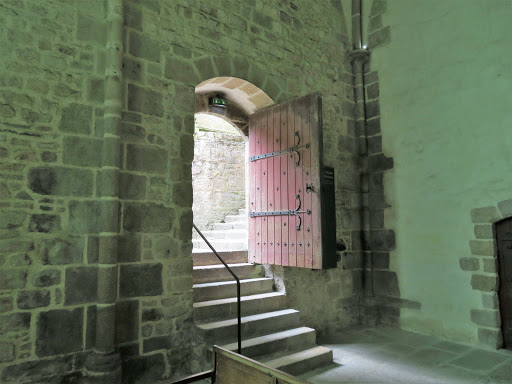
359,59
104,365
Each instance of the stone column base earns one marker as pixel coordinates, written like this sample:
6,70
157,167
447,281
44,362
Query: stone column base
102,368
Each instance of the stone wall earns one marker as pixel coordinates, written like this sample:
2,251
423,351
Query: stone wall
58,198
218,176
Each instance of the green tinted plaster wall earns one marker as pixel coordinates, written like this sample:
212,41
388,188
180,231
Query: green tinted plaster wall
445,98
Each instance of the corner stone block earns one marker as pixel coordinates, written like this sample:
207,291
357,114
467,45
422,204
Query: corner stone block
140,280
486,318
45,367
82,151
59,251
14,322
469,264
379,163
147,217
146,158
81,284
490,301
182,194
385,283
44,223
181,70
484,231
382,240
381,37
505,208
127,321
132,187
485,215
76,118
59,331
484,283
492,338
145,100
482,247
93,216
33,299
13,278
60,181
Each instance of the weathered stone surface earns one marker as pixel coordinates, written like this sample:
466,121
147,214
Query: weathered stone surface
486,318
140,280
505,208
132,69
33,299
379,38
491,337
181,70
132,187
482,247
132,133
129,248
144,100
147,217
90,338
12,219
5,304
127,321
385,283
91,30
490,264
152,315
156,343
76,118
144,47
92,216
60,251
483,231
484,283
182,194
379,163
469,263
490,301
6,351
13,278
46,278
81,285
14,322
143,368
382,240
60,181
59,331
83,151
38,368
44,223
146,158
485,215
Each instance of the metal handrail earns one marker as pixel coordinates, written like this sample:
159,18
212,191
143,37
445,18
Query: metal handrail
237,288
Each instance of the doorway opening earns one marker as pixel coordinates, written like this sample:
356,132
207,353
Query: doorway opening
503,231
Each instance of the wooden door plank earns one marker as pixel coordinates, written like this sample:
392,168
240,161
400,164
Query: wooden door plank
252,190
264,187
258,188
292,192
270,187
315,153
283,141
276,174
308,195
299,184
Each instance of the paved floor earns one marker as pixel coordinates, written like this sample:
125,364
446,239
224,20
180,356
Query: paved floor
389,355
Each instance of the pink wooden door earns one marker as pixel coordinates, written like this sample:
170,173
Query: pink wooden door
285,172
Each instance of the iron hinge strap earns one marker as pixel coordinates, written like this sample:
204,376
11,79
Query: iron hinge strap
282,152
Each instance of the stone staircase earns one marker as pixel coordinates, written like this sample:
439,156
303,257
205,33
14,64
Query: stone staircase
271,333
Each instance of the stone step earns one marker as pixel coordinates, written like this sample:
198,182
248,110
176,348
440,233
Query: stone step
250,305
254,325
228,226
300,362
201,257
226,289
235,219
230,234
218,272
220,245
290,340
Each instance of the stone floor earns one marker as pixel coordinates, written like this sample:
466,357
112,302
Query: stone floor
390,355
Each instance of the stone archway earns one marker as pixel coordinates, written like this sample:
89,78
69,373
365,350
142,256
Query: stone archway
483,265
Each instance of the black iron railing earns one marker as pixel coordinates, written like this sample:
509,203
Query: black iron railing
208,374
237,288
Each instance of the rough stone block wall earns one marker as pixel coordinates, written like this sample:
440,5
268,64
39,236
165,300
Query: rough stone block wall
54,195
218,177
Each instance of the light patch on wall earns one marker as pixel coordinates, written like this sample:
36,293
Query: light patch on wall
211,123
